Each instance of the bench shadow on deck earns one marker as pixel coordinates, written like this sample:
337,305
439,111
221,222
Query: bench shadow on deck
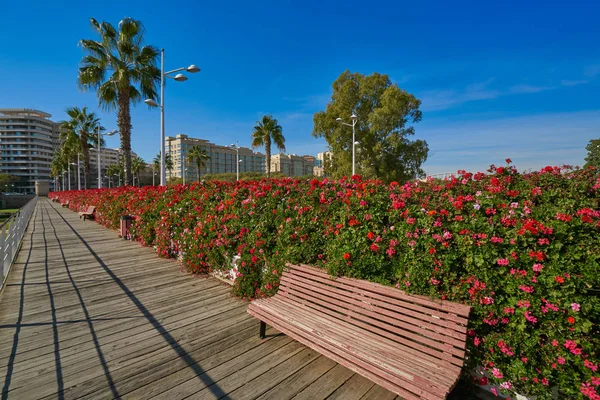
87,315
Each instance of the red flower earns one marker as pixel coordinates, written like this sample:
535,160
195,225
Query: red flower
559,279
370,235
374,247
571,320
347,256
508,160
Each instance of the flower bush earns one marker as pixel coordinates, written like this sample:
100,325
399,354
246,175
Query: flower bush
522,249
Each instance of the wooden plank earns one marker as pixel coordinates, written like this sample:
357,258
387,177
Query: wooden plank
354,389
299,380
378,393
326,384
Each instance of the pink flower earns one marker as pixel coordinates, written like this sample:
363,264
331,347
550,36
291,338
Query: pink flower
554,343
476,341
526,289
509,310
497,374
506,385
502,261
590,365
537,267
524,359
529,317
560,360
575,306
493,390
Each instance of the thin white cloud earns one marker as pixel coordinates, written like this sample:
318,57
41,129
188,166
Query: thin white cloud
523,88
573,83
434,100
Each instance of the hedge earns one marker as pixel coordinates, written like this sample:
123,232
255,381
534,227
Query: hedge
523,249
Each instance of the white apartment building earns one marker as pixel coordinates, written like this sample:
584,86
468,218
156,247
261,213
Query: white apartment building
27,141
292,165
222,158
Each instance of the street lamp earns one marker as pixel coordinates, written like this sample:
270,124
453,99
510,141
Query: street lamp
99,150
78,173
179,78
184,173
354,118
236,147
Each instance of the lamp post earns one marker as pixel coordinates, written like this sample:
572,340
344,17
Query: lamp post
69,176
109,181
99,151
354,118
179,78
236,147
78,173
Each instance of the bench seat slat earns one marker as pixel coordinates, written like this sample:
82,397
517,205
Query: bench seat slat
388,354
442,305
438,355
450,364
372,308
413,332
404,388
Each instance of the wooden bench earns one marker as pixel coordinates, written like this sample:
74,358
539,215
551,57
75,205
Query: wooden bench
65,204
411,345
88,214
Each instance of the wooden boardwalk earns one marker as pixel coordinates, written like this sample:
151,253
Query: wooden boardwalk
88,315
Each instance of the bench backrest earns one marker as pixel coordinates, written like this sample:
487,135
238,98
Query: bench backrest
423,327
90,210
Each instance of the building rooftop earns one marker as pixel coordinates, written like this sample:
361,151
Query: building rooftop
24,112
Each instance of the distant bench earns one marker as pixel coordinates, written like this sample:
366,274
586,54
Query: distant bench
88,214
411,345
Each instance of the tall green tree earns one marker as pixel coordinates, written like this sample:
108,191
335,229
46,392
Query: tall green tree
267,132
122,71
198,156
593,155
82,127
6,180
137,165
385,112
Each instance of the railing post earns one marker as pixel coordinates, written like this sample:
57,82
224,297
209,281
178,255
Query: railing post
2,253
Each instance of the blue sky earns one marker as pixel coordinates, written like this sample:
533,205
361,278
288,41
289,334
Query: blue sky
504,79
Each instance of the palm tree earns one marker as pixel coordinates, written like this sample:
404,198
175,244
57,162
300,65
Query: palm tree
132,71
81,127
58,166
137,165
114,169
266,131
168,163
198,155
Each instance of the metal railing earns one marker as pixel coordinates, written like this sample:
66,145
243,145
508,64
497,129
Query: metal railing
11,235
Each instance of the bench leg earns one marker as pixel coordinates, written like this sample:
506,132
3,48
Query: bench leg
263,329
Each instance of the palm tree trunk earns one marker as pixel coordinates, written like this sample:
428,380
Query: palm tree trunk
124,123
268,156
198,169
85,151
